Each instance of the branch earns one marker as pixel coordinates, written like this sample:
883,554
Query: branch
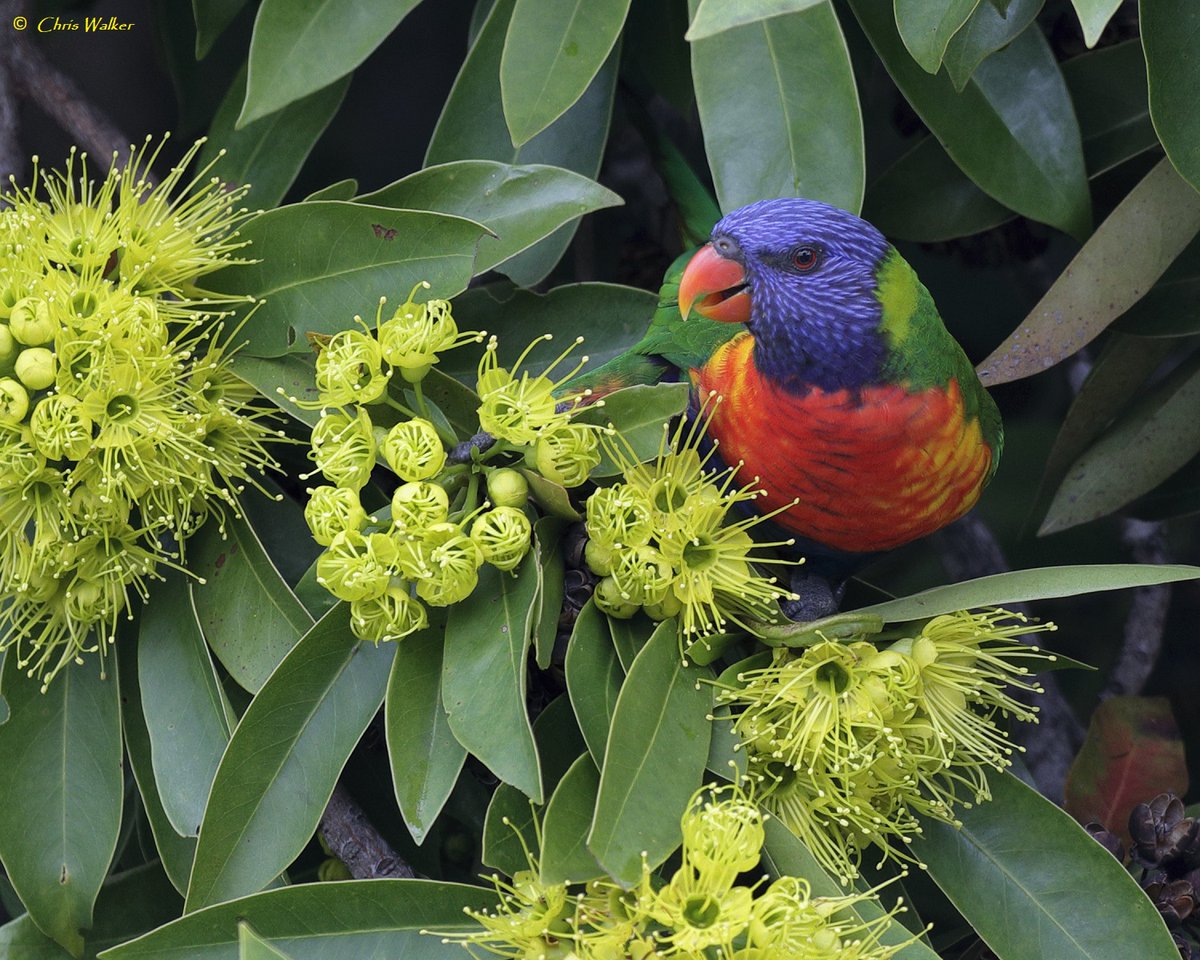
969,550
1147,618
357,843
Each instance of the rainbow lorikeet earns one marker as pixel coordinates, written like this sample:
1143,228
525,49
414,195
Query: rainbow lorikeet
841,386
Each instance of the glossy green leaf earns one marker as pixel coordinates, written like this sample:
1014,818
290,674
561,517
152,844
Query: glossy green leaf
1154,439
212,17
1108,88
425,757
248,615
268,153
186,712
175,852
1167,311
1133,752
926,27
552,52
630,636
21,938
552,497
1094,16
654,759
611,318
1019,895
350,920
716,16
300,46
594,678
1169,29
61,792
785,855
318,264
339,190
1023,150
985,31
1021,586
484,674
1122,260
547,541
253,947
520,204
472,127
640,413
565,857
284,760
791,126
1177,497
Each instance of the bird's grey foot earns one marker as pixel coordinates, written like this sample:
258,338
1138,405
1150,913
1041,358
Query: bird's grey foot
817,598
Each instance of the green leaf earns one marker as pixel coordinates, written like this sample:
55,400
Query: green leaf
353,919
425,757
300,46
21,938
785,855
716,16
654,759
1017,894
212,17
1124,257
552,51
1154,439
611,318
550,496
547,541
565,857
339,190
1021,586
284,759
640,413
484,674
176,852
520,204
1133,752
318,264
985,31
1023,150
61,792
1177,497
1108,88
472,127
186,713
630,636
249,616
926,27
268,153
253,947
594,678
1169,29
791,126
1094,16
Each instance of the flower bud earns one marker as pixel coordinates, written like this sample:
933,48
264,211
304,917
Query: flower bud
453,566
357,567
417,506
14,401
31,322
567,453
36,368
414,450
619,516
506,487
609,600
392,616
503,534
642,574
666,608
332,510
598,557
343,448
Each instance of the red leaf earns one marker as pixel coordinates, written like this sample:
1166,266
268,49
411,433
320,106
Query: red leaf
1132,753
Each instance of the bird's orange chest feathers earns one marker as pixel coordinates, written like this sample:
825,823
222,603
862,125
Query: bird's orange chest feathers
872,468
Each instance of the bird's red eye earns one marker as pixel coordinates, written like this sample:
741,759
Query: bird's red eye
805,258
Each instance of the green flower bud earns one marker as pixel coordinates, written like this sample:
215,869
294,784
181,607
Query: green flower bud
506,487
642,574
669,606
567,453
31,322
418,505
392,616
414,450
332,510
619,516
454,561
598,557
60,428
14,401
503,534
349,369
609,600
333,869
343,448
36,368
357,567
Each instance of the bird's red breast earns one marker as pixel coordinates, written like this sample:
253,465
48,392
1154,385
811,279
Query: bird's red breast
872,468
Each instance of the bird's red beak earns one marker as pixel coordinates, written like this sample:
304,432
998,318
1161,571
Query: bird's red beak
715,287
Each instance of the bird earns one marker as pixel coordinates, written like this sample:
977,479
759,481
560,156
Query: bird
843,395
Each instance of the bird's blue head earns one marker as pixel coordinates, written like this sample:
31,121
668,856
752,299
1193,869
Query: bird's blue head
802,275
